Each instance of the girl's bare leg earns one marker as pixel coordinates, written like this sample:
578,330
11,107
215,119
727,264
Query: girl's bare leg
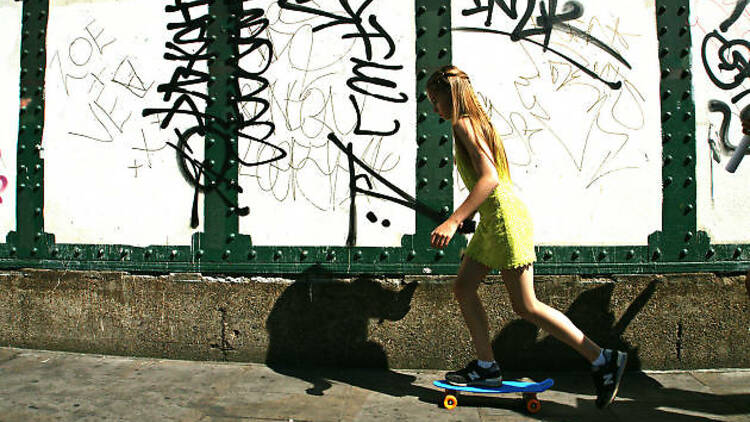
470,274
520,285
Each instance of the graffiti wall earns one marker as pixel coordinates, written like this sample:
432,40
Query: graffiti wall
272,135
111,170
10,53
720,31
338,68
573,90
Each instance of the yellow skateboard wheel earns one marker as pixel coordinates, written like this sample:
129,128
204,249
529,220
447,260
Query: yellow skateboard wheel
450,402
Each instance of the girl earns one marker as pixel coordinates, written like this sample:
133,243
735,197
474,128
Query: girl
503,239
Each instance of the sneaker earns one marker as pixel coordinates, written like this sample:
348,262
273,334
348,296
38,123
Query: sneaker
476,376
607,376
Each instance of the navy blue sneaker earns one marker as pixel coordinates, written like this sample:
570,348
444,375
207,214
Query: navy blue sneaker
607,377
476,376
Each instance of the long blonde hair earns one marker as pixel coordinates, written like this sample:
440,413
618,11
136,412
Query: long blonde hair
452,81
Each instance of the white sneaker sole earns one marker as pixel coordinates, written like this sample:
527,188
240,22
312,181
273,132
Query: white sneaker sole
622,359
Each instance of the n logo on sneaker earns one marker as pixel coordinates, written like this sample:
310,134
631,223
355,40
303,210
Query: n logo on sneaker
608,379
473,375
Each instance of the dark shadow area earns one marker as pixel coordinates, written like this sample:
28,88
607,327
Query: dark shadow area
318,332
516,346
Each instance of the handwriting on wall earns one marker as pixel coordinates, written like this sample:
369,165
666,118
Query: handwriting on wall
547,21
571,103
335,70
725,61
719,63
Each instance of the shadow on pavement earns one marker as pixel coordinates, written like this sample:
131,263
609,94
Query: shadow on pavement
302,347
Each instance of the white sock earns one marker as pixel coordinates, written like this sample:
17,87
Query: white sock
485,364
600,360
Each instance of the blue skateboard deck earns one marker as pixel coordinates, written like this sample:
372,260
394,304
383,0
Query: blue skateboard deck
529,390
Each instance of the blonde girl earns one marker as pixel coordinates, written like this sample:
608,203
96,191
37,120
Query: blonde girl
503,240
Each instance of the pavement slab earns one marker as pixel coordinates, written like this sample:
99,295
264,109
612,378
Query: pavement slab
40,385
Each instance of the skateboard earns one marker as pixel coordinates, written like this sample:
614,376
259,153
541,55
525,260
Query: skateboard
529,390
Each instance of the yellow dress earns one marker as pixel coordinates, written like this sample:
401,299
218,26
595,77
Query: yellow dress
504,237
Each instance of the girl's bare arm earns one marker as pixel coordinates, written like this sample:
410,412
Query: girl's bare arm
487,177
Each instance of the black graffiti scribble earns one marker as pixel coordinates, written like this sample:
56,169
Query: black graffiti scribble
738,9
716,106
403,198
190,32
548,20
730,59
354,19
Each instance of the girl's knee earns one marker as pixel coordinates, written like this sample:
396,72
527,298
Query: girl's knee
525,310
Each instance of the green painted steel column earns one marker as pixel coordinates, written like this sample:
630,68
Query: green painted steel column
29,239
678,240
221,240
434,169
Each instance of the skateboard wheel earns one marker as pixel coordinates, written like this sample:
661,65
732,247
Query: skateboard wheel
533,406
450,402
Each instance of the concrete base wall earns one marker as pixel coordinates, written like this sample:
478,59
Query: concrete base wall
675,321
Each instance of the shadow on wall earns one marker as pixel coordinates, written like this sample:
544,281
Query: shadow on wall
316,328
516,347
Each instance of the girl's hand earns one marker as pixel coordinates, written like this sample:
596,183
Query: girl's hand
443,234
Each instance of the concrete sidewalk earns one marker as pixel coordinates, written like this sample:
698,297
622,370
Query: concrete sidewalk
40,385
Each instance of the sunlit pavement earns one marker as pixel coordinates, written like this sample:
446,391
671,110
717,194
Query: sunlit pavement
37,385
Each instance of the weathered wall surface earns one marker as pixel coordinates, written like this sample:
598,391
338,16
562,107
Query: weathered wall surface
664,321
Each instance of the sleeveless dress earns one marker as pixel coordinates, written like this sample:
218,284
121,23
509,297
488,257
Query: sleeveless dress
504,237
